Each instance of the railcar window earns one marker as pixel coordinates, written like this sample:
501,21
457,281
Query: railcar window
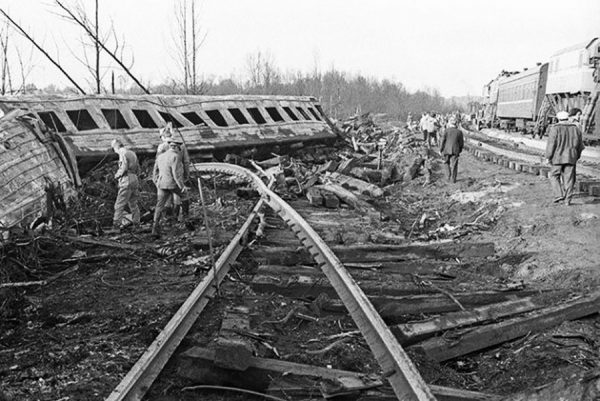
290,113
217,117
320,110
314,113
82,119
168,117
52,121
144,118
274,114
115,118
193,117
238,116
301,110
256,115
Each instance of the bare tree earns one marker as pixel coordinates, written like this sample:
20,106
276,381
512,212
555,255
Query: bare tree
262,72
41,49
188,39
79,17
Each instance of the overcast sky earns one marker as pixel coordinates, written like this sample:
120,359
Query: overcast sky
454,46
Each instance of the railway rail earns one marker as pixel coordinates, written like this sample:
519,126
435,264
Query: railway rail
397,367
525,154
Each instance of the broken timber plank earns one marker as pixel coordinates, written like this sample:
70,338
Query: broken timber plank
106,243
494,334
378,252
345,196
441,394
394,308
197,364
582,387
410,333
233,351
362,187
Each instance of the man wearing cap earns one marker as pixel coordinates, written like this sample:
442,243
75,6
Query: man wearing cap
128,183
168,178
166,134
451,145
563,149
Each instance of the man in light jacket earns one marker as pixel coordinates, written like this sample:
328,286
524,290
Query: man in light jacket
168,178
128,183
563,149
451,145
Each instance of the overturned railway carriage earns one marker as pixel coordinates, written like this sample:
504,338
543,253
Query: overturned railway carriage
36,172
520,97
209,125
48,141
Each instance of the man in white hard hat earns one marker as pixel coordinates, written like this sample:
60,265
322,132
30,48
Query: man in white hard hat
128,183
563,149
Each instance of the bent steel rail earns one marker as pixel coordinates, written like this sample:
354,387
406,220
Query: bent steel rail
141,376
395,363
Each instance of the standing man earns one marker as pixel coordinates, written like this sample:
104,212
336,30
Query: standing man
451,144
166,135
424,126
434,127
168,178
128,183
563,149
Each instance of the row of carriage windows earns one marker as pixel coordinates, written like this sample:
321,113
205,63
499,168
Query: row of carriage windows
519,92
83,121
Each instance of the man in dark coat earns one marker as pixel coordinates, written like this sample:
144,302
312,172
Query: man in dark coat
563,149
451,144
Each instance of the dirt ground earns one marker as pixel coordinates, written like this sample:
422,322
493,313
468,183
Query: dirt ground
75,338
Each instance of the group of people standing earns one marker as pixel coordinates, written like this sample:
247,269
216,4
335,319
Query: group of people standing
170,173
563,147
450,142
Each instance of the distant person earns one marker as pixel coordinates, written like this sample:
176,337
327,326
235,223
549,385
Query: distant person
435,127
424,125
129,187
563,149
451,145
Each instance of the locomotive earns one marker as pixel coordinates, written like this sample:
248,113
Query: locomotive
528,100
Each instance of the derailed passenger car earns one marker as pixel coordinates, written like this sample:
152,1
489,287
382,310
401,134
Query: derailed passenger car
207,124
37,173
48,140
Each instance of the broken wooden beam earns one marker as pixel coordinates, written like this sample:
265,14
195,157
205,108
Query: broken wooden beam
197,364
355,184
472,340
395,308
378,253
581,387
441,394
410,333
233,351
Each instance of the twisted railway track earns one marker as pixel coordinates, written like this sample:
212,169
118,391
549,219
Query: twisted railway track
397,367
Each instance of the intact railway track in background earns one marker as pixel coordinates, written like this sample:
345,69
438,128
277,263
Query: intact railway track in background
527,155
305,275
